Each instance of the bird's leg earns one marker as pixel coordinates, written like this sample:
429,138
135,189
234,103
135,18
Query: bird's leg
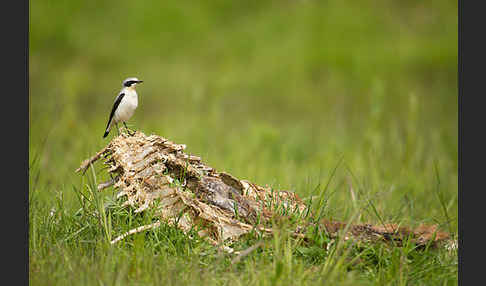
117,129
128,130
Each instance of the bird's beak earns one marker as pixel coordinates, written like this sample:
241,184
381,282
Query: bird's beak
140,81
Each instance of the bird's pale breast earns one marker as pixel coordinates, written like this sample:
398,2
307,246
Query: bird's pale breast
126,108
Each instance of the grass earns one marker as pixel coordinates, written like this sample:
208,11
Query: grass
77,245
352,102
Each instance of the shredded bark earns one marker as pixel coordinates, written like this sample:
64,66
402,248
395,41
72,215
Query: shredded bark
153,172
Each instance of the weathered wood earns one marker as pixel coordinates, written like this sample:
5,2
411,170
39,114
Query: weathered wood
86,163
145,170
136,230
106,184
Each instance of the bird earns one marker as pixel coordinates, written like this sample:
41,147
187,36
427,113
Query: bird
125,104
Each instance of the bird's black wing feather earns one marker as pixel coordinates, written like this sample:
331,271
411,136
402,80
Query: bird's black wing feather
115,106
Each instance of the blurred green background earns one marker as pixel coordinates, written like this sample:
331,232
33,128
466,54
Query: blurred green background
276,92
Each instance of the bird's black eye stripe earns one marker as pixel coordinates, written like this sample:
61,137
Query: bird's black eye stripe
129,83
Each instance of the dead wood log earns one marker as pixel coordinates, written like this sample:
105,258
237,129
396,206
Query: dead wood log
153,172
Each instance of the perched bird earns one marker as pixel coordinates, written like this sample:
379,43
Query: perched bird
125,104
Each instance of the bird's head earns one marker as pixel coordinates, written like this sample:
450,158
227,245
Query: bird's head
131,82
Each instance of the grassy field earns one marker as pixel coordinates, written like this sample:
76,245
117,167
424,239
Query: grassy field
296,95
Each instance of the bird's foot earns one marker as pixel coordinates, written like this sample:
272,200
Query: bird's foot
128,130
131,133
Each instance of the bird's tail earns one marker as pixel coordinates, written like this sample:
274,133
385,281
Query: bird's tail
108,127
